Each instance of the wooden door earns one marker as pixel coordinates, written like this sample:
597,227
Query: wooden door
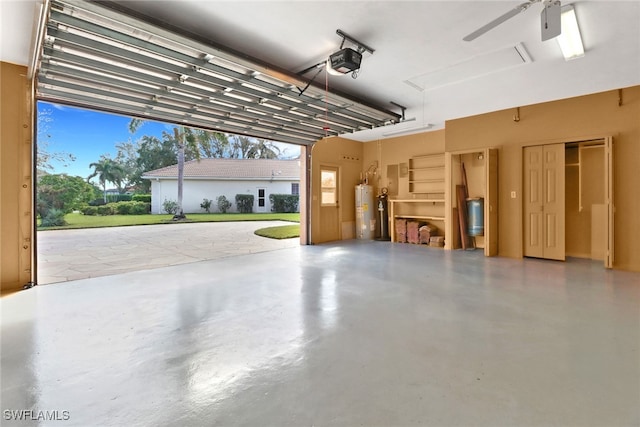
544,210
329,204
491,204
553,201
533,205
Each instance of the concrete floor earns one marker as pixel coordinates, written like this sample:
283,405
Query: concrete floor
65,255
348,334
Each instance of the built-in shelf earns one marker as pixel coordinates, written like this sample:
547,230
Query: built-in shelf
417,200
430,209
426,167
426,218
426,174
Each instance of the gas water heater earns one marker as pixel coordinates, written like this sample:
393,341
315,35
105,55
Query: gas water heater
365,212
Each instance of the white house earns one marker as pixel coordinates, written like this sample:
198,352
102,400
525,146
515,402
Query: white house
210,178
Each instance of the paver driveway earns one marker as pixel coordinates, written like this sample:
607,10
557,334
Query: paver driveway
79,254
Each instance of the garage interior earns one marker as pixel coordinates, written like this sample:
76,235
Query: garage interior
541,326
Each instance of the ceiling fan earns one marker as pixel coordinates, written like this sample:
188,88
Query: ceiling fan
549,19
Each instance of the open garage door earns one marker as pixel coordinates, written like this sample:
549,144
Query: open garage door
101,56
105,57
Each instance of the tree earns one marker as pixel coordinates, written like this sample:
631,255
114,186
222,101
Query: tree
240,147
107,170
43,138
63,192
263,149
153,153
184,144
212,145
244,147
127,158
180,141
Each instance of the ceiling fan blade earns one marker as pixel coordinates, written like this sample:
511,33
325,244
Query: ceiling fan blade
499,20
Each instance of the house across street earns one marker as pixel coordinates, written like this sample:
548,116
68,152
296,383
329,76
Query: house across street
211,178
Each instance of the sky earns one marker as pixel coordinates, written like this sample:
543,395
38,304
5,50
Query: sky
87,134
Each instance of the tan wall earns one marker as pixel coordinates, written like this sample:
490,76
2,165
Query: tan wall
566,120
345,154
394,151
305,163
15,177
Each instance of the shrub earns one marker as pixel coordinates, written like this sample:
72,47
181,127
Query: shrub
97,202
140,208
54,218
284,203
89,210
223,204
244,203
123,208
105,209
206,204
115,198
170,206
141,198
120,208
47,199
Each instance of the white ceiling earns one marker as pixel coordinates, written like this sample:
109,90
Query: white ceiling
419,41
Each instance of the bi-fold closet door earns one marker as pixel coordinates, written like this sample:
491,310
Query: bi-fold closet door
544,198
544,201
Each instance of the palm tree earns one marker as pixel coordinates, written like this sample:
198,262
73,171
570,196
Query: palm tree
263,149
107,170
179,139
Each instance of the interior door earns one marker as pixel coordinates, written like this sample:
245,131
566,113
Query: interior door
544,207
554,200
533,206
329,204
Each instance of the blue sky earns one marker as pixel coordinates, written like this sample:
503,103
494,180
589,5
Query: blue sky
88,134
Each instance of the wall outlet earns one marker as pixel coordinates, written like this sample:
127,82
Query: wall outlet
513,194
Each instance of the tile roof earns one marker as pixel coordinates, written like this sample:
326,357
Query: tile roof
232,168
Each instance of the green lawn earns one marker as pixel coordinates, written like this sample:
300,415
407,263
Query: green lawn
281,232
78,220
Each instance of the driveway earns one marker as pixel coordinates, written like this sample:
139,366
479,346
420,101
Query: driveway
65,255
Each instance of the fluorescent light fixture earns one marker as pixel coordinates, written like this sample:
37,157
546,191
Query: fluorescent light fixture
414,129
569,40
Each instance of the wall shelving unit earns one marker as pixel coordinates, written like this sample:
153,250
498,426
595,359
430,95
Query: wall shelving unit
427,188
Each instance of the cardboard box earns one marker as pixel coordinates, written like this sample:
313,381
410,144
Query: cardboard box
401,230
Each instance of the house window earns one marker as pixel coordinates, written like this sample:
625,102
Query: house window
328,187
261,198
295,188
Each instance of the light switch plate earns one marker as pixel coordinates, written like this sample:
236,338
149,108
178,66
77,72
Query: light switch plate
513,194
